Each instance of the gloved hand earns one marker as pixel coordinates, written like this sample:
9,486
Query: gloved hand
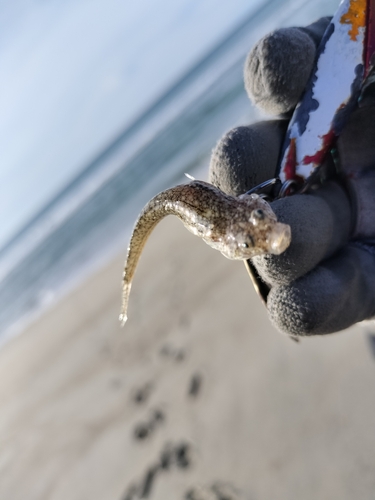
325,281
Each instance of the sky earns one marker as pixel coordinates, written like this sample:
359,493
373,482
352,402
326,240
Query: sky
74,73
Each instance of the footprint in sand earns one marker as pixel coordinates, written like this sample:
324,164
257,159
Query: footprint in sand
217,491
195,385
142,394
177,354
144,430
172,456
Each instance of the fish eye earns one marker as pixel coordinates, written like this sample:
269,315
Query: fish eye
248,243
258,213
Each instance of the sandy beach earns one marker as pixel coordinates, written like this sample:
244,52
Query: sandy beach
198,397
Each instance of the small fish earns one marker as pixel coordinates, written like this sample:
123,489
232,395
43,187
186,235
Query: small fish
239,227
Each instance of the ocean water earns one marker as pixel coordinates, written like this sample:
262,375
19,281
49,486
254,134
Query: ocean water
91,219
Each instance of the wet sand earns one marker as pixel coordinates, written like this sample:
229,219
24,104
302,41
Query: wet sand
197,398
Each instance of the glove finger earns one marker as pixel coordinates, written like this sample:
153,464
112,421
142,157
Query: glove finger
334,296
247,156
278,67
356,148
320,225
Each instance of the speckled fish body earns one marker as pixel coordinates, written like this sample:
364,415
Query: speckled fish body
239,227
331,92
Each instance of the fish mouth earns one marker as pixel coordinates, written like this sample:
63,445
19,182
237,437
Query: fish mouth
279,239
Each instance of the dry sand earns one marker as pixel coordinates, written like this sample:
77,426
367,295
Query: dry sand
197,398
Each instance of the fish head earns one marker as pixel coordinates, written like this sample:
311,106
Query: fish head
254,230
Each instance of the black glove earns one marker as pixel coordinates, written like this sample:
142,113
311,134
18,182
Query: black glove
325,280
